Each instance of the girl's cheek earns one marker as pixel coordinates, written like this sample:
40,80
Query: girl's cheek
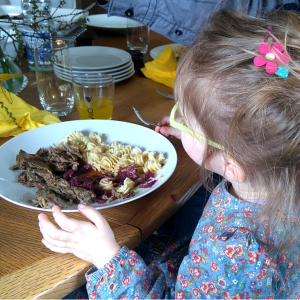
194,148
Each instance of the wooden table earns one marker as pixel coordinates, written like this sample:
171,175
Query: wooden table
28,270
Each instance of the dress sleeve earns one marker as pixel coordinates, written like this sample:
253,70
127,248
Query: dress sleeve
128,275
125,275
227,265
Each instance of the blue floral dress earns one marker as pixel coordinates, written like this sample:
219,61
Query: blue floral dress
222,260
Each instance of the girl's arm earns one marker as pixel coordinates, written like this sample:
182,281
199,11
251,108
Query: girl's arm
119,271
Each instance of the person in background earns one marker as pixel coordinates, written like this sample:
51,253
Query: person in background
237,113
180,20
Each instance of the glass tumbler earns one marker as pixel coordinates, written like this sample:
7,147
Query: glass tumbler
137,36
94,95
54,78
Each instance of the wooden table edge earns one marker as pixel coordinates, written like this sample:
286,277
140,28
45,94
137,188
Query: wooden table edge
66,279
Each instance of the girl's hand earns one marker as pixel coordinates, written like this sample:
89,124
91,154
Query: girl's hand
91,241
165,129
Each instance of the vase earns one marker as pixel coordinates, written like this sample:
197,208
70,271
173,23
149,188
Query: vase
7,65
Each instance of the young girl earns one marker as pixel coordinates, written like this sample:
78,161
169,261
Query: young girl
238,115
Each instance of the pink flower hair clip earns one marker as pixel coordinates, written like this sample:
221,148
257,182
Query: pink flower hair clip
275,54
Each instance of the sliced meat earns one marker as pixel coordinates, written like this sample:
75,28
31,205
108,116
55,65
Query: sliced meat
33,175
62,159
36,185
43,171
78,194
47,199
36,175
72,150
25,160
22,177
42,152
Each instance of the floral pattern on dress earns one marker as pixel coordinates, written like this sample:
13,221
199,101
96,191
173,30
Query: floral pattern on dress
223,260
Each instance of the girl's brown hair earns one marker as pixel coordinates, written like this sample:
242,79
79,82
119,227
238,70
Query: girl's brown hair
254,115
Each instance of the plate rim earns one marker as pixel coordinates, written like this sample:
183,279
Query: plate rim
83,71
117,74
105,17
126,65
117,78
162,47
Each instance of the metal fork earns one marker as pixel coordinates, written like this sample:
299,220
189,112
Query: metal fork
169,96
142,119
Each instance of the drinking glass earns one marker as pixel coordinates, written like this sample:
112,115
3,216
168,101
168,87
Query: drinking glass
137,36
54,78
94,95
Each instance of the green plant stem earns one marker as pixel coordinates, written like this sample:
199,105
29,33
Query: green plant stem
9,82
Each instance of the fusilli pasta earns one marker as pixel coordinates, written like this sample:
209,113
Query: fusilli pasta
113,156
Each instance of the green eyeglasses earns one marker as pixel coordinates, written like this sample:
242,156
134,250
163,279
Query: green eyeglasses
183,128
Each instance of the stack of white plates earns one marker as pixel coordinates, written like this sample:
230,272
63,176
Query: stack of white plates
96,59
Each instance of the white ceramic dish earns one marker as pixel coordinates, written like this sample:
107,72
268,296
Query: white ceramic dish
108,71
126,133
66,77
104,22
125,77
118,78
115,70
97,57
115,75
155,52
119,72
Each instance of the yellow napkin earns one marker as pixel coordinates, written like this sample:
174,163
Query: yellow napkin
163,68
27,116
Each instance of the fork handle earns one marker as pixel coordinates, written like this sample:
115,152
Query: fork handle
153,124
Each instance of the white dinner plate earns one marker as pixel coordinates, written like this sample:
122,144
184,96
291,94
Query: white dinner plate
115,75
107,71
104,22
97,57
118,77
125,77
155,52
83,70
123,132
77,73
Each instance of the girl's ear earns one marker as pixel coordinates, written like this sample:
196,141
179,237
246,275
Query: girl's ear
233,170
